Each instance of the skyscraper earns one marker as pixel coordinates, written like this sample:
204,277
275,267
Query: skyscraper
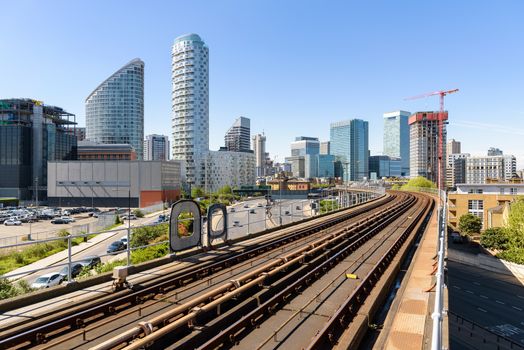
156,147
115,109
424,136
190,103
452,147
396,138
349,145
304,157
259,147
237,137
324,147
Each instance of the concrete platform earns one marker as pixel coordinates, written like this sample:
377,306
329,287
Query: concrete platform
408,325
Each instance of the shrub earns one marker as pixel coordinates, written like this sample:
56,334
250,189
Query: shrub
138,213
513,254
118,221
420,182
494,238
143,235
149,253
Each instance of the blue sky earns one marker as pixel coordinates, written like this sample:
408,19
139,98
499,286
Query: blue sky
291,66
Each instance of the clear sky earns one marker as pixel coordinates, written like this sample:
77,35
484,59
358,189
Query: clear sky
292,67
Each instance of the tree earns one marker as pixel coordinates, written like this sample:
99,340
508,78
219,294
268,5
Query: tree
225,190
197,192
420,181
138,213
516,216
470,224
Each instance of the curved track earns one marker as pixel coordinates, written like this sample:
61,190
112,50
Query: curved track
219,303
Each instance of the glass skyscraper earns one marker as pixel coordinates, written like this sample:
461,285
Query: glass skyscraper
237,137
115,109
396,138
190,103
349,145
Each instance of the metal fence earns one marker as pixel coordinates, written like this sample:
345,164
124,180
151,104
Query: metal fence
279,213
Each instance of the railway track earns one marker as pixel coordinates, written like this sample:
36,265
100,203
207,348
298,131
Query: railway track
212,304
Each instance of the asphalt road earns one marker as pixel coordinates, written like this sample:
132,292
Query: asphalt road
480,296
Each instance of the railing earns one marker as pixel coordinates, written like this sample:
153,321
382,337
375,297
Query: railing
438,309
280,213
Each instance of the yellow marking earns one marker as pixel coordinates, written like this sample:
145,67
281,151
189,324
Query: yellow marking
351,275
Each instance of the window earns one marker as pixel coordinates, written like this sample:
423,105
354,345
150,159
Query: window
476,207
513,191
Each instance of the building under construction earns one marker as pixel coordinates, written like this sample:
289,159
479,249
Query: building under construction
423,147
31,134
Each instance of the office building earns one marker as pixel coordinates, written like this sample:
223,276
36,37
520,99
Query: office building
113,184
488,201
480,170
326,165
492,151
221,168
456,168
453,147
156,147
237,137
79,132
384,166
115,109
396,138
324,147
304,157
259,148
89,150
31,134
424,141
190,102
349,145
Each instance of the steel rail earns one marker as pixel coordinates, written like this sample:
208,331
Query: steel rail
229,335
336,325
36,332
190,318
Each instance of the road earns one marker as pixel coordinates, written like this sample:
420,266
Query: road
480,296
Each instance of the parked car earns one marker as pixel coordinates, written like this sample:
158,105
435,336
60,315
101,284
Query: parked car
260,205
252,211
287,212
161,218
123,239
59,221
115,247
456,237
68,219
232,210
47,280
236,223
90,261
75,270
246,205
298,207
130,217
12,222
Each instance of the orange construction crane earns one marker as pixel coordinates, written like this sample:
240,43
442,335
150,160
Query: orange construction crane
440,146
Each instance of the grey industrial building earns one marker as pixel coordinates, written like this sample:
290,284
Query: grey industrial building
114,183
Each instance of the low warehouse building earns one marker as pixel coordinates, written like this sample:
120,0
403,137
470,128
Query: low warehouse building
114,183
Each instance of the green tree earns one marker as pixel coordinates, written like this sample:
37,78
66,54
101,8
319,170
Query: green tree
495,238
197,192
420,182
225,190
516,216
118,221
470,224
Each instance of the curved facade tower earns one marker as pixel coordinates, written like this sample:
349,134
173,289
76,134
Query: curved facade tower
115,109
190,103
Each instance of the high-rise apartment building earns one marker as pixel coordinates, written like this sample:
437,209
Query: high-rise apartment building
156,147
259,147
237,137
424,140
453,147
492,151
115,109
456,168
396,138
221,168
32,134
481,169
349,145
190,103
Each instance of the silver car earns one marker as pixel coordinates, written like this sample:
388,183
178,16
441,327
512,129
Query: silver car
47,280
